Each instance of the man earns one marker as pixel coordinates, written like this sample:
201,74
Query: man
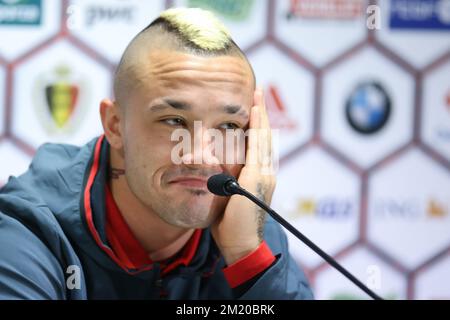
119,219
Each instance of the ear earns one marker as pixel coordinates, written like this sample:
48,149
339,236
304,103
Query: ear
111,117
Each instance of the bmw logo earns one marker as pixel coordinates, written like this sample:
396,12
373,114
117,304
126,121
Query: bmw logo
368,108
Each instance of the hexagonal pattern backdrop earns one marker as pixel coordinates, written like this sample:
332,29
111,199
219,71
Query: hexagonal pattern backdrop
359,91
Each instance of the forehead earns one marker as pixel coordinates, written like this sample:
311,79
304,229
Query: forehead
164,71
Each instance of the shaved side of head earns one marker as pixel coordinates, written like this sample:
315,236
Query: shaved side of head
187,30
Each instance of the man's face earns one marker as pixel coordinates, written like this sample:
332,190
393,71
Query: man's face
177,90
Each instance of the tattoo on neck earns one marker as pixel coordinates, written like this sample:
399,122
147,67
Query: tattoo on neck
261,214
116,173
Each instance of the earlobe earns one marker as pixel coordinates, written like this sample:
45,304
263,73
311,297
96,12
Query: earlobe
110,117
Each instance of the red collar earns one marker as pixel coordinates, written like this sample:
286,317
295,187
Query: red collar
128,249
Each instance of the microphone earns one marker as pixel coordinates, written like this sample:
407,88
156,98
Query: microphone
225,186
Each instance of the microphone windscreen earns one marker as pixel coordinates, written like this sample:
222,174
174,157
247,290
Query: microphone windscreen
217,184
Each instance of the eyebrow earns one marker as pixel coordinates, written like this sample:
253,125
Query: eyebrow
236,110
232,109
178,105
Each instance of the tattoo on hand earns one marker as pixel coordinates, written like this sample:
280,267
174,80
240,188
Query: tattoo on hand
116,173
261,214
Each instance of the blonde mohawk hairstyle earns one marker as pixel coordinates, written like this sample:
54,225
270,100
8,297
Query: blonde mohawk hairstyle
198,26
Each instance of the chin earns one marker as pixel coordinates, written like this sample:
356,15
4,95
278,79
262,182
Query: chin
196,217
190,208
192,218
188,222
189,214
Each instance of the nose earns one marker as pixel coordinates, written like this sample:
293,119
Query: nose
204,147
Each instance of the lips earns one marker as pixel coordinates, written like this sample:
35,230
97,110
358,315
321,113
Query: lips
191,182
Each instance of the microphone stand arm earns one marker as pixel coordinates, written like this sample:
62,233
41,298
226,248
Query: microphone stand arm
234,188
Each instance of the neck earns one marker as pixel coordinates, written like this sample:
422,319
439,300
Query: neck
158,238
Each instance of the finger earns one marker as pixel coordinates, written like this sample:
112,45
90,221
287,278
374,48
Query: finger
252,145
259,100
265,136
265,151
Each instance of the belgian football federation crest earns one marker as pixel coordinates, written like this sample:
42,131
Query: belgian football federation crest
60,95
368,108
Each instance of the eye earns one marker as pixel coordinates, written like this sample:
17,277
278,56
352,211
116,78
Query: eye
229,126
175,122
